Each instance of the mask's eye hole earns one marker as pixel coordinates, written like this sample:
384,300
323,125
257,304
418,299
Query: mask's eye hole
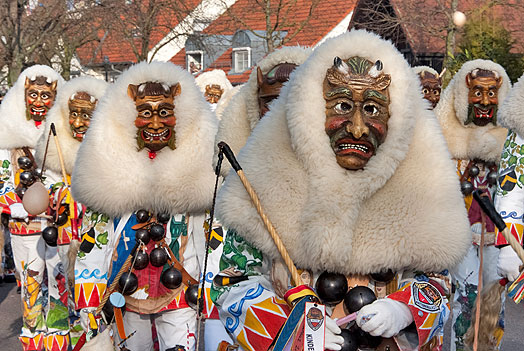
425,91
370,109
343,108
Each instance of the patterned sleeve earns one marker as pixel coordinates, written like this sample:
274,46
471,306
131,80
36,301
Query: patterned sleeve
509,198
249,309
91,267
429,306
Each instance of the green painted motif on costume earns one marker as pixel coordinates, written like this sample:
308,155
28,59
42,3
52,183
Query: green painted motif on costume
5,171
511,170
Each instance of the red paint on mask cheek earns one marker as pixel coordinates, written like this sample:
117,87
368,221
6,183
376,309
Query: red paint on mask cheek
30,101
141,122
335,123
169,122
48,103
379,128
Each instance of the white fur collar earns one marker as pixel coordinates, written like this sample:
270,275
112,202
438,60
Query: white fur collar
242,113
470,142
59,115
384,216
15,130
111,176
216,76
511,111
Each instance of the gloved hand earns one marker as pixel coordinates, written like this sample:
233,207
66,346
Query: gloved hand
385,317
18,211
508,263
84,317
333,340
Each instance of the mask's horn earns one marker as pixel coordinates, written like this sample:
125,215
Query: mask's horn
376,69
442,73
341,66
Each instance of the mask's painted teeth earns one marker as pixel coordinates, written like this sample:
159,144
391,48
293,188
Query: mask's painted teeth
38,111
157,135
358,147
481,113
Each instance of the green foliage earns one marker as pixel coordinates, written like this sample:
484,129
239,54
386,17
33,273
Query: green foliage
484,37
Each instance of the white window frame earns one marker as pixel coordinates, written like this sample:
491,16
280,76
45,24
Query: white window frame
235,52
194,52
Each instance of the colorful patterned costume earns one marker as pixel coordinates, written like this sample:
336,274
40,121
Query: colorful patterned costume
473,148
114,185
45,317
338,220
61,199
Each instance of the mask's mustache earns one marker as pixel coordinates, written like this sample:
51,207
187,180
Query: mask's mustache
342,133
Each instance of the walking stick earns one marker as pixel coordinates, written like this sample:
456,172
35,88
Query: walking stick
256,201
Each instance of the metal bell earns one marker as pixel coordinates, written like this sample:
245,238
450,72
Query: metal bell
61,219
163,217
158,257
143,235
25,163
358,297
142,216
141,260
50,235
20,191
156,232
171,278
128,282
466,188
192,296
350,340
474,171
27,178
383,276
331,288
492,177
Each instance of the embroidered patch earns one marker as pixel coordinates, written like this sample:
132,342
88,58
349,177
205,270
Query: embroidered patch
426,297
314,318
508,179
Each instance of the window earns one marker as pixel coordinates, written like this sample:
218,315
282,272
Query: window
194,61
241,51
241,59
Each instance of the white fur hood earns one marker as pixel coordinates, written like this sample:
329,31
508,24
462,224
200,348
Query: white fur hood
403,211
511,111
15,130
59,115
471,141
216,76
111,176
242,113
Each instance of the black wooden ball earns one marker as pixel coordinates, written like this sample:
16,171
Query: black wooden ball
142,216
492,177
128,283
163,217
25,163
158,257
50,235
331,288
383,276
61,219
143,235
156,232
474,171
27,178
358,297
192,296
171,278
466,187
141,260
350,340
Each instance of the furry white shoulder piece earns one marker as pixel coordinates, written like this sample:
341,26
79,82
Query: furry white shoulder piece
111,176
389,215
216,76
511,111
225,100
59,115
15,130
242,113
470,141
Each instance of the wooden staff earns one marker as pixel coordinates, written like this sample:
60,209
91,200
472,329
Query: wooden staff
256,201
487,206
